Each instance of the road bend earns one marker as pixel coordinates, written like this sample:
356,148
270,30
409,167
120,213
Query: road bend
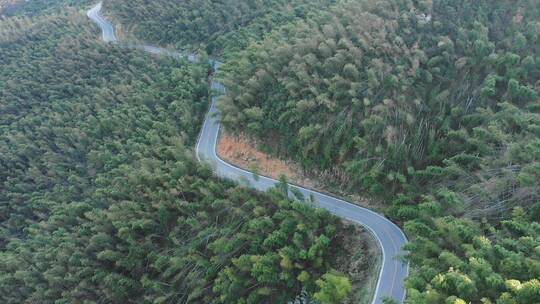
390,237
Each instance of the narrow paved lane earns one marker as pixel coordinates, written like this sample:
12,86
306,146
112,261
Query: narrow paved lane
390,237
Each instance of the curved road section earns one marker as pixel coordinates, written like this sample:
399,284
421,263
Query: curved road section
389,236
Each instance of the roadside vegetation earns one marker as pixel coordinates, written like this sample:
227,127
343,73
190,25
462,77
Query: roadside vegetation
101,199
38,7
429,106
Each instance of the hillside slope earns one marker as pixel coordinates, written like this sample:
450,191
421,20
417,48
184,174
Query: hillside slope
101,199
212,26
431,106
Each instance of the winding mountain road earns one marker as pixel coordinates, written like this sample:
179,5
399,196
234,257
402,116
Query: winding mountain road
389,236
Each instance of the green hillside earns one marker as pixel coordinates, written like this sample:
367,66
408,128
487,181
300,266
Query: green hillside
213,26
38,7
102,201
432,107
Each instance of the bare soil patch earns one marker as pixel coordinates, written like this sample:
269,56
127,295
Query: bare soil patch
238,150
242,152
360,258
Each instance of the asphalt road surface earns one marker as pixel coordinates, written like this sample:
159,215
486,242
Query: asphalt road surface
389,236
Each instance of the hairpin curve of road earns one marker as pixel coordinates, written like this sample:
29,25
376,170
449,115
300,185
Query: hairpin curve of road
389,236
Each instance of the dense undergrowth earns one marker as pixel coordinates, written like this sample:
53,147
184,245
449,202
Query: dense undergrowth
213,26
431,106
38,7
101,200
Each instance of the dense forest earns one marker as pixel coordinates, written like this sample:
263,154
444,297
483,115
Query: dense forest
37,7
213,26
101,200
431,106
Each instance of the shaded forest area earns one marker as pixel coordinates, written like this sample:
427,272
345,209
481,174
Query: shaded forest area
212,26
431,106
38,7
101,199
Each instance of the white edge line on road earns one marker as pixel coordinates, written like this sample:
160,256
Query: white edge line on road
207,119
